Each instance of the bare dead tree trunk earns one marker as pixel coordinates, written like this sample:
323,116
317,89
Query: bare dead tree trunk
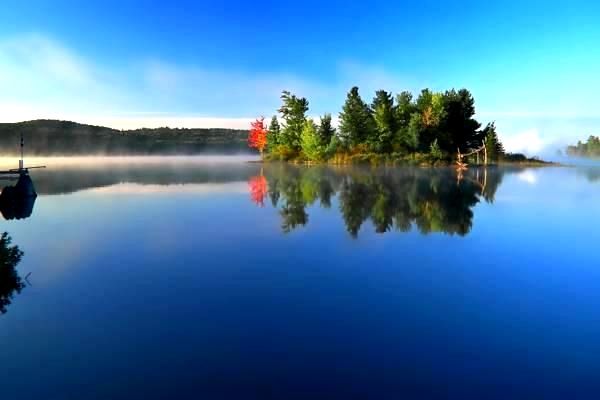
485,155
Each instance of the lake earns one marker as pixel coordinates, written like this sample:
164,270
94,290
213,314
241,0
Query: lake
211,278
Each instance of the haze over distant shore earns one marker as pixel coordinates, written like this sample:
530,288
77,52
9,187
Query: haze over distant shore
66,138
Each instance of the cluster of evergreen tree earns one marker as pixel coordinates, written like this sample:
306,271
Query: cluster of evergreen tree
591,148
433,124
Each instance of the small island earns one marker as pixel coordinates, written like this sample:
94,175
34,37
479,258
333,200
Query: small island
435,128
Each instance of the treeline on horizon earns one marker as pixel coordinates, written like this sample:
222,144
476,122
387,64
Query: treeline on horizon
51,137
591,148
430,128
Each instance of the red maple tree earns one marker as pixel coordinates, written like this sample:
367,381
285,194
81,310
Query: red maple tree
258,189
257,138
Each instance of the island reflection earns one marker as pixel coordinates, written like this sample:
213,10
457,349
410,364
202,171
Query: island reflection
10,281
399,199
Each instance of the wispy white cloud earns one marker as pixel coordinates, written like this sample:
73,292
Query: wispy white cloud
528,141
40,73
21,56
230,93
540,134
43,78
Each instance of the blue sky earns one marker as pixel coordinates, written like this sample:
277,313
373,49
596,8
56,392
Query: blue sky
532,66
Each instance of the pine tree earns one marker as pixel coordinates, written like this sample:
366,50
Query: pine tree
494,147
459,127
326,130
406,139
356,121
404,109
274,134
385,124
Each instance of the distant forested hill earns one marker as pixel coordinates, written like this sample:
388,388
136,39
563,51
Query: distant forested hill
51,137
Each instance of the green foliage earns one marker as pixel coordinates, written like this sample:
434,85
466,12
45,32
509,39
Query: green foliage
326,131
434,151
311,143
459,127
335,145
293,112
405,140
274,134
591,148
10,282
404,108
435,113
412,137
356,121
430,108
385,122
516,157
281,152
494,147
421,131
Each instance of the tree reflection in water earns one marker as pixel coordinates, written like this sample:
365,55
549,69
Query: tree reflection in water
430,200
10,282
16,202
258,190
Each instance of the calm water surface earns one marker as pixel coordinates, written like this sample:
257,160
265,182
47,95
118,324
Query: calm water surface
184,278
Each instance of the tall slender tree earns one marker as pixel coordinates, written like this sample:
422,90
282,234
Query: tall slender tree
404,108
412,140
273,136
494,147
356,121
406,139
326,130
385,123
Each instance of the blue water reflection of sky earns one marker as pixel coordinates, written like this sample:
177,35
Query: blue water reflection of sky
135,292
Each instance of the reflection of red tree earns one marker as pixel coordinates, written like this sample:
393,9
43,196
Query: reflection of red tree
258,190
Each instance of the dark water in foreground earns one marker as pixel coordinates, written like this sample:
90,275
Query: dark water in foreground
188,280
